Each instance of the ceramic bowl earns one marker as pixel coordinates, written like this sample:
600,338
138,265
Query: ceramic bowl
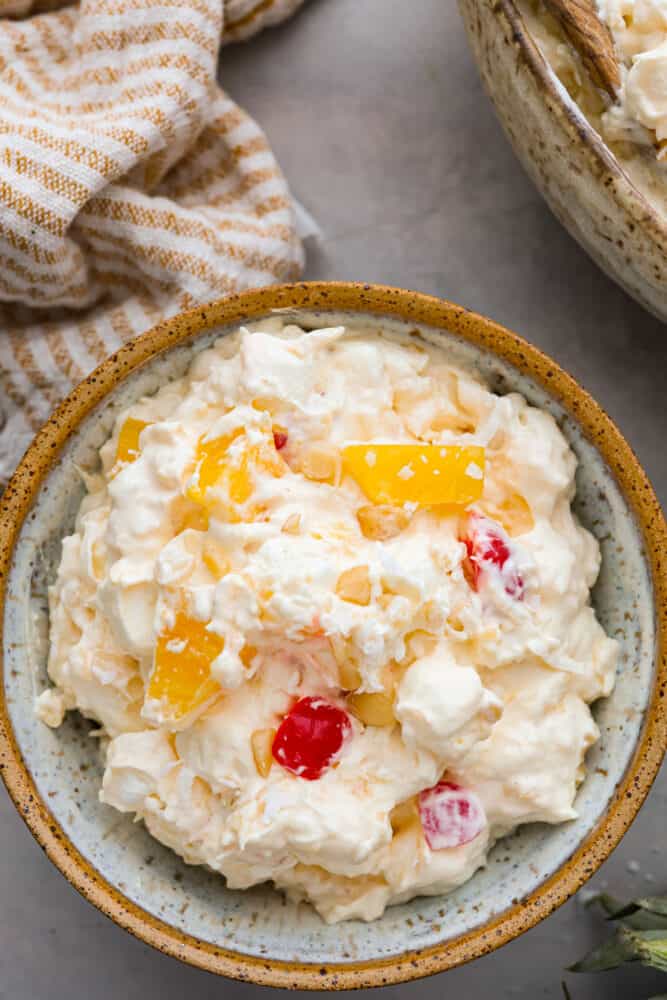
54,776
581,180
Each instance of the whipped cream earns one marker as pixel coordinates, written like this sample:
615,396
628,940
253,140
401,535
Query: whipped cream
193,613
639,30
636,123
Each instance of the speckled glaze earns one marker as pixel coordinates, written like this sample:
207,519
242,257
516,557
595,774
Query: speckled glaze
53,776
581,180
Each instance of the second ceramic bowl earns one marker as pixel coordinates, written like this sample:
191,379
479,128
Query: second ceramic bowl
54,777
580,178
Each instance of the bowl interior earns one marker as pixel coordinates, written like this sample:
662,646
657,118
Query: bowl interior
65,765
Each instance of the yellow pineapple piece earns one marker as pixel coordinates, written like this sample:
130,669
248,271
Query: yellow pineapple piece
128,448
403,815
376,708
425,474
372,708
292,524
454,622
349,677
215,558
261,744
382,521
321,463
181,677
514,514
354,585
417,644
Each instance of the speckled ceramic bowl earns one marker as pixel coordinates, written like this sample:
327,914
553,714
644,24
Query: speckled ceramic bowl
54,776
584,184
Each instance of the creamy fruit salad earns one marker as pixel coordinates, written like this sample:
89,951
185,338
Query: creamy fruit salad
639,30
329,605
634,126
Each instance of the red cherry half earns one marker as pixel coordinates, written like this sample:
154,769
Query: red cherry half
450,815
310,736
279,439
488,549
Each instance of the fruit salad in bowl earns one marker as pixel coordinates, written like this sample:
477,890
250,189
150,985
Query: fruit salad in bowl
328,603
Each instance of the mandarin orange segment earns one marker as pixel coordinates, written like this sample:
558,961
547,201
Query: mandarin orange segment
425,474
195,519
212,463
233,474
181,678
128,448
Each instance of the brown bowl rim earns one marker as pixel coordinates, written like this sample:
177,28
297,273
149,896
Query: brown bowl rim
420,309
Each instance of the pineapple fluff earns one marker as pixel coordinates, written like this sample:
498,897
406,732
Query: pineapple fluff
329,605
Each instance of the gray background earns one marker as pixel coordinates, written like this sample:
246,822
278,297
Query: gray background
378,119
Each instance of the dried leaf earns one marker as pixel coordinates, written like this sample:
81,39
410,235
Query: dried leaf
656,905
641,920
652,946
610,904
627,945
609,955
632,914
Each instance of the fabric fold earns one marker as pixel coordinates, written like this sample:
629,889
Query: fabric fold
131,186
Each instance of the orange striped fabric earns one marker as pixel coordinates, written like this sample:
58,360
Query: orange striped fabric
131,186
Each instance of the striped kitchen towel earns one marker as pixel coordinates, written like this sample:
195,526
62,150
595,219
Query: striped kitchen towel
131,186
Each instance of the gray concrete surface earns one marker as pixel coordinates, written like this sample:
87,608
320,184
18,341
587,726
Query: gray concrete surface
378,118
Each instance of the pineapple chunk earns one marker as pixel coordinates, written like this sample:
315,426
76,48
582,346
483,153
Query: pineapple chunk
425,474
373,709
349,677
354,585
261,744
215,558
514,514
379,522
128,439
321,463
292,525
417,644
181,678
376,708
404,815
